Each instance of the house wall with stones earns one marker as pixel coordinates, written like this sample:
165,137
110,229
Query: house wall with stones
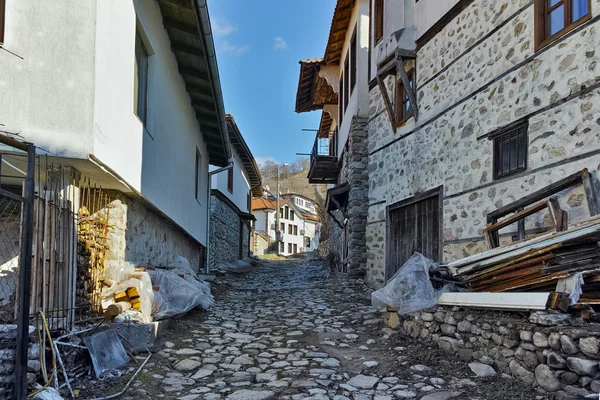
353,172
554,357
140,235
478,74
261,244
226,226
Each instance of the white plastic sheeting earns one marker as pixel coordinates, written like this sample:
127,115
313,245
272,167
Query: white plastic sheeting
410,289
177,294
123,276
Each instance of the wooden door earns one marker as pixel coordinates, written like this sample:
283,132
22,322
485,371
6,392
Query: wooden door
413,225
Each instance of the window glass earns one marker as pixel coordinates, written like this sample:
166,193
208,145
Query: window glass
579,9
557,20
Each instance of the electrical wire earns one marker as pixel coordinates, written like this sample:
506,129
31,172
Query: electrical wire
53,357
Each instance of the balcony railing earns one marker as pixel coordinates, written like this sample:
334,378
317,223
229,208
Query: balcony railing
323,160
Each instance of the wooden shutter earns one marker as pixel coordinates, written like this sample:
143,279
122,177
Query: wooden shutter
230,180
346,81
2,12
353,51
378,20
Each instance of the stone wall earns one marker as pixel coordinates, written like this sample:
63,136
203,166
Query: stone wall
469,85
261,244
353,172
554,358
225,233
139,235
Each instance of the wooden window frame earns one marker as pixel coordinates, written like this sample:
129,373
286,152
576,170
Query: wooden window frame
403,115
295,249
290,248
346,81
353,58
292,215
140,106
198,172
379,20
282,227
295,230
541,23
287,212
341,100
518,129
230,180
2,20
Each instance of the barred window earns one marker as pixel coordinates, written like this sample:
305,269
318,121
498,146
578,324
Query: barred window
510,151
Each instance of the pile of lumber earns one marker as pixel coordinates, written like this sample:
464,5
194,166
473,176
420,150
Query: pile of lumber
537,264
123,302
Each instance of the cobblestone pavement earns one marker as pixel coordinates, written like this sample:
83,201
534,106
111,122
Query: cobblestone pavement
291,331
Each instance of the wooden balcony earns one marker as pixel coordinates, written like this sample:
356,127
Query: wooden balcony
324,168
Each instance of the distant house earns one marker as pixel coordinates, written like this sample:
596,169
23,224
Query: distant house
299,227
232,191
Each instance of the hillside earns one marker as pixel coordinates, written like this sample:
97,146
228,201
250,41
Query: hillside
293,179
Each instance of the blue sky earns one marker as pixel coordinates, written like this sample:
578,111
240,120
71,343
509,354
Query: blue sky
259,44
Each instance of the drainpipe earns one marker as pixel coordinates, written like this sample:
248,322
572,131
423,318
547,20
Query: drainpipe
208,241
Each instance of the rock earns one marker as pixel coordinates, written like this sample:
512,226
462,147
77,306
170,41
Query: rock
331,362
582,366
568,346
546,378
447,344
251,395
441,396
589,346
521,373
530,359
370,364
569,377
448,329
526,336
243,360
555,360
202,373
548,319
405,394
187,365
595,386
266,377
464,326
554,340
540,340
363,381
314,354
427,317
576,391
420,368
482,370
584,381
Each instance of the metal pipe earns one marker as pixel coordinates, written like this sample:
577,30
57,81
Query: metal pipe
208,203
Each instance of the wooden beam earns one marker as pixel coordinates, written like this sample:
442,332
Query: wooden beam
590,193
388,104
181,48
179,27
195,73
410,90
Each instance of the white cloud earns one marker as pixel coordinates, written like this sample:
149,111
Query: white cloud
280,43
232,48
222,28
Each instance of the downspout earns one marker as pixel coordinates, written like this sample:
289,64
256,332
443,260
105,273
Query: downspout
209,191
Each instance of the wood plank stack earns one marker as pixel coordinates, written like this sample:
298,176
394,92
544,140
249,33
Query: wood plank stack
537,264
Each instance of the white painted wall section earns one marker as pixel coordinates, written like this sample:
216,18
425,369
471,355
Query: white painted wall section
241,183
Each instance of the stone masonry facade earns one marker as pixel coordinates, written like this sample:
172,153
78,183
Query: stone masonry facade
557,358
225,228
478,74
353,172
139,235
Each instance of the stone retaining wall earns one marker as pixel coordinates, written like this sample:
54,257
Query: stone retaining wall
261,244
225,228
556,358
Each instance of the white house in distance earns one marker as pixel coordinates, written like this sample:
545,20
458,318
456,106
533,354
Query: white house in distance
232,191
299,227
127,93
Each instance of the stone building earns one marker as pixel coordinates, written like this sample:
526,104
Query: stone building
472,104
232,190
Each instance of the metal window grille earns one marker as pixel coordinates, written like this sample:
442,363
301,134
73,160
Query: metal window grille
510,151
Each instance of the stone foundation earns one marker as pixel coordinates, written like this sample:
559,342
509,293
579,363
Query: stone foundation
556,358
139,235
261,244
226,226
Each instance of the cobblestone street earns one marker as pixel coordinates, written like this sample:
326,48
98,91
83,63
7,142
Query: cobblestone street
289,330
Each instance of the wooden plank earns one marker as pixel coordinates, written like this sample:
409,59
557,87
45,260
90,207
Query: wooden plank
387,102
541,194
410,90
590,193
